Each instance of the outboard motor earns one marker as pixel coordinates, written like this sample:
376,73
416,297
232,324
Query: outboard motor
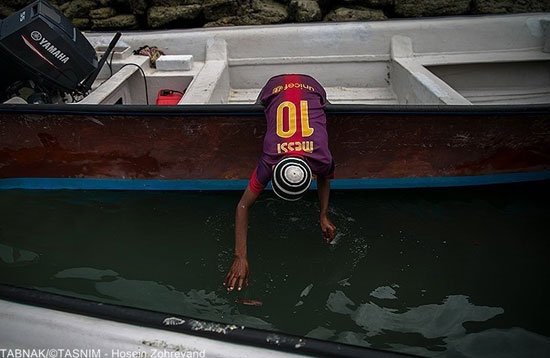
42,50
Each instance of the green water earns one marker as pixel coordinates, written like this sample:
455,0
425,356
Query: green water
440,272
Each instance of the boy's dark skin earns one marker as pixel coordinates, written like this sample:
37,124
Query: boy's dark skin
238,274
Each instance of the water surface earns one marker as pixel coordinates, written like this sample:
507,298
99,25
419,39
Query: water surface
434,272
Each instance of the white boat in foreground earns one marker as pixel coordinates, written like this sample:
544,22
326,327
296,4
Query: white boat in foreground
54,326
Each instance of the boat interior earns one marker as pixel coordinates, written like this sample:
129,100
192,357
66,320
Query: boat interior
475,60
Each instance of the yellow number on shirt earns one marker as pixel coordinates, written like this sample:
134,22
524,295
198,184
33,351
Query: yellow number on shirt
291,119
304,114
306,130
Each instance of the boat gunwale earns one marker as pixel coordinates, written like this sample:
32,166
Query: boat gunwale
257,110
440,18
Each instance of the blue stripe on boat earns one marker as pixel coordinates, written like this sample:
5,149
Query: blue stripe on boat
189,185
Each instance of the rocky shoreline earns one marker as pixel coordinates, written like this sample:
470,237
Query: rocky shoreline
163,14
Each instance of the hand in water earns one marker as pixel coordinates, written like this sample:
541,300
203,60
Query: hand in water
328,229
237,275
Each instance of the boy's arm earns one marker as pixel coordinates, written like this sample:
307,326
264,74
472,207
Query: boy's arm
327,227
239,273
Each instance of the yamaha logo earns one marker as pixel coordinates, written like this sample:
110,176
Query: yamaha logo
36,36
46,45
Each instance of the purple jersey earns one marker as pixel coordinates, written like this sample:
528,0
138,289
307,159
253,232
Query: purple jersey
296,126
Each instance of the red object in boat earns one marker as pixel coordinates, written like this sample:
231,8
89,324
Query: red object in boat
168,97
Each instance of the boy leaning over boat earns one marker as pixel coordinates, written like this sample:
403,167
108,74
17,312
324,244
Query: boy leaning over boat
295,147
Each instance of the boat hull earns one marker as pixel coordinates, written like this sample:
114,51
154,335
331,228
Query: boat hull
96,329
217,147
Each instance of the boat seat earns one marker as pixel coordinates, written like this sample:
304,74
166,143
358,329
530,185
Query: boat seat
211,85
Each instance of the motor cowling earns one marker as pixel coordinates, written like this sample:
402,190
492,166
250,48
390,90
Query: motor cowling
38,43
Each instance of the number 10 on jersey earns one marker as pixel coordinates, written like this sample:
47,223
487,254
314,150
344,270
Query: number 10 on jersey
290,108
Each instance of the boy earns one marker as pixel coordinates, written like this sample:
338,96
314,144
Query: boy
295,147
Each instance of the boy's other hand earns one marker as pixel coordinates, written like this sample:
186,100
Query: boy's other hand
237,275
328,229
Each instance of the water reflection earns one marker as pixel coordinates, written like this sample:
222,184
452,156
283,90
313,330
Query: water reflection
385,292
440,322
471,264
155,296
17,257
513,342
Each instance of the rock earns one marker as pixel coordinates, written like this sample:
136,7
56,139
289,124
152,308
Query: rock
64,6
176,2
540,6
415,8
256,19
158,16
492,6
56,6
82,23
225,21
378,4
305,10
509,6
6,11
356,13
261,12
217,9
373,4
116,22
16,4
102,13
139,7
267,12
79,8
57,3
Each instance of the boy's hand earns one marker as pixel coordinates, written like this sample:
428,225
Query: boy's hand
237,275
328,229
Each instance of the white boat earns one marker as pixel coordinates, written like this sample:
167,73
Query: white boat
471,60
488,77
39,324
475,60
